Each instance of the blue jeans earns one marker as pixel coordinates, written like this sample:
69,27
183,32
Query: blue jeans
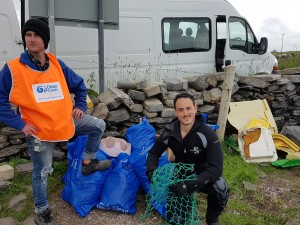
41,153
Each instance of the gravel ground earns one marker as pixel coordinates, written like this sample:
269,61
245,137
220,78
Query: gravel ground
64,214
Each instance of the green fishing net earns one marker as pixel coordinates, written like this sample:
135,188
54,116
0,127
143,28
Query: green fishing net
180,210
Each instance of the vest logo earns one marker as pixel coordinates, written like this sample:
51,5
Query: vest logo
196,150
47,88
47,92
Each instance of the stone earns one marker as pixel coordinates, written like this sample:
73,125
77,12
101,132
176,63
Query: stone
29,221
152,89
153,105
15,141
7,221
12,150
137,95
4,184
176,84
118,115
101,111
17,202
250,186
282,81
3,138
6,172
122,97
4,144
109,98
268,77
24,167
253,81
58,155
165,120
197,82
141,83
138,108
168,112
206,108
149,114
126,85
9,131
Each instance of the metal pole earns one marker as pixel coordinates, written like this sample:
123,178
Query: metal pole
282,42
51,22
101,45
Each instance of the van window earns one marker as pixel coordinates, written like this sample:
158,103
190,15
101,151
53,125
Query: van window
186,34
241,36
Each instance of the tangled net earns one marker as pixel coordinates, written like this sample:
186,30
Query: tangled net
180,210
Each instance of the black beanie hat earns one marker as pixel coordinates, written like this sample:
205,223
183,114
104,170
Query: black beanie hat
39,26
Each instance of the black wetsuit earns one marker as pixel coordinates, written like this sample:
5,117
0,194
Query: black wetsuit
202,148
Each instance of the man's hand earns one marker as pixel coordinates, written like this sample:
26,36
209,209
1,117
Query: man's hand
29,129
150,175
179,189
77,113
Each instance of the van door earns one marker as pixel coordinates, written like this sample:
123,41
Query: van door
220,42
242,48
10,39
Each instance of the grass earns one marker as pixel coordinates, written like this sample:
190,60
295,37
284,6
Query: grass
21,184
289,62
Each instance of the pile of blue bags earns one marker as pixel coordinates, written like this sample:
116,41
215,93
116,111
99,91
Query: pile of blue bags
117,187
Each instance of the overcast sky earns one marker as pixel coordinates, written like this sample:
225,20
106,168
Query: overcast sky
278,20
275,19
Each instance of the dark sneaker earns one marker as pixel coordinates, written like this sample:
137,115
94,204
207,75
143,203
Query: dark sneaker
44,218
95,165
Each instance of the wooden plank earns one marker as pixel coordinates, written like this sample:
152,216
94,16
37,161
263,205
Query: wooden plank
225,100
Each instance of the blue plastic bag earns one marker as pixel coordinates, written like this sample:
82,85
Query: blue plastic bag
120,190
82,192
142,137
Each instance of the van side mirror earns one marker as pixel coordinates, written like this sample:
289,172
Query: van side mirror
263,46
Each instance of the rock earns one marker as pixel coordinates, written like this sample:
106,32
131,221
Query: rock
4,184
29,221
101,111
24,168
12,150
249,186
17,202
6,172
7,221
153,105
176,84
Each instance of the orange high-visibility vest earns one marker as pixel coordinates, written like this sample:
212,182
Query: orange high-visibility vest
43,99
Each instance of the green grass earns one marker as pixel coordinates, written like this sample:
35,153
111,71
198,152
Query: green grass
289,62
21,184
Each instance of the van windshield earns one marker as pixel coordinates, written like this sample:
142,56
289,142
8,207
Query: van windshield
186,34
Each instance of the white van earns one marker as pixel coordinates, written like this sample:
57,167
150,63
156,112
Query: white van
159,39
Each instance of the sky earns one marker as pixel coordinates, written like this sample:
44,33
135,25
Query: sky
278,20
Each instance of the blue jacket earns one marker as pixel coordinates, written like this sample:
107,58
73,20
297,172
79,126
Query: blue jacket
10,118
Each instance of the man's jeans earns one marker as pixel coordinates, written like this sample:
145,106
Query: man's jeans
41,153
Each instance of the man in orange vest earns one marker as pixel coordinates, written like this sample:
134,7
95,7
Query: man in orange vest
39,84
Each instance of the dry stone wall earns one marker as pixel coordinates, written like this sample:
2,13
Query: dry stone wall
124,105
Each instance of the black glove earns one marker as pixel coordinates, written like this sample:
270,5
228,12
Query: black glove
179,189
150,175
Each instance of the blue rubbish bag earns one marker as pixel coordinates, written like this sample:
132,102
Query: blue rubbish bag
120,189
82,192
142,137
